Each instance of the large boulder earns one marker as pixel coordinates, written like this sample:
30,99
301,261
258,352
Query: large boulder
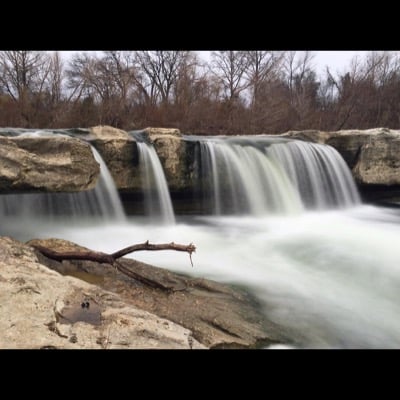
120,153
175,157
40,308
379,162
46,164
373,155
350,143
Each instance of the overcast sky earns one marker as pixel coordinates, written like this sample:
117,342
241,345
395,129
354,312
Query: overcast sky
335,60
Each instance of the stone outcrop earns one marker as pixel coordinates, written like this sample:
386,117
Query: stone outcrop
215,314
30,164
40,308
175,156
105,132
46,164
373,155
152,132
120,153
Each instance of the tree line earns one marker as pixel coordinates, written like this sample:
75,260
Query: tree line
234,92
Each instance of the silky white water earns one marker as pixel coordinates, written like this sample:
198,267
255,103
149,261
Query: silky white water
263,175
101,202
331,279
157,198
318,173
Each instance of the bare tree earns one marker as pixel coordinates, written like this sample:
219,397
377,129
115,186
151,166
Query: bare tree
262,67
296,67
186,89
359,91
161,70
300,78
80,74
236,92
230,68
23,72
55,78
23,76
106,79
49,103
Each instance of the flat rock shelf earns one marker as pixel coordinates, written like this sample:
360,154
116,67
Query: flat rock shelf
84,304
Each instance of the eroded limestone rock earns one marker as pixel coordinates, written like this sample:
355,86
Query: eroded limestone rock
46,164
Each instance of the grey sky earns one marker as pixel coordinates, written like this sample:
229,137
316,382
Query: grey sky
335,60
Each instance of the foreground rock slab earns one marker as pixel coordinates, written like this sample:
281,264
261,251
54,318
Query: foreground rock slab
217,315
46,164
40,308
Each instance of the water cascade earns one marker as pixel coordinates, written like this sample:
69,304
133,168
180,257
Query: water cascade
102,202
318,172
156,194
106,192
265,175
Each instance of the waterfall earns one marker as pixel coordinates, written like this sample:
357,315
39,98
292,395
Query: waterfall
106,192
103,201
318,172
157,198
264,175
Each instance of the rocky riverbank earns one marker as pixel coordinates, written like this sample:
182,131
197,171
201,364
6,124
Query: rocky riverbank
84,304
53,164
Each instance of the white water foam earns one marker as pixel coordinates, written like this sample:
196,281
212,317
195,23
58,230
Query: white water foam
157,198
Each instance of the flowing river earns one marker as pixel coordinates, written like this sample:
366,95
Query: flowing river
281,218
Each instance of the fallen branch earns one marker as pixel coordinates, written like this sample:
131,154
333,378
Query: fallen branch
112,259
99,257
191,248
